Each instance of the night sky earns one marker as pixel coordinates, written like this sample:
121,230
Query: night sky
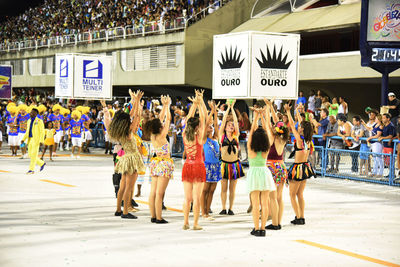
16,7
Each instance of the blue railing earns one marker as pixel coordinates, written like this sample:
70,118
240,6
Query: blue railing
359,159
348,162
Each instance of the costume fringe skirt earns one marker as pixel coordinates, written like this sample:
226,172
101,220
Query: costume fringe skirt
231,170
194,172
278,171
301,171
130,163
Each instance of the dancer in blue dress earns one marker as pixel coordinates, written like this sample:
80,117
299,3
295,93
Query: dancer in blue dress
211,160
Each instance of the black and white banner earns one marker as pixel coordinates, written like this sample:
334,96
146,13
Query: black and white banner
274,66
256,64
230,66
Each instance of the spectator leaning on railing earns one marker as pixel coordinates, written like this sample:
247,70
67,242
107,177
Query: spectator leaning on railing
388,133
372,113
376,147
356,133
345,126
333,144
398,144
344,131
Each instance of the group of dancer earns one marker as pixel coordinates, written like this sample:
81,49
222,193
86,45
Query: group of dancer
63,127
212,155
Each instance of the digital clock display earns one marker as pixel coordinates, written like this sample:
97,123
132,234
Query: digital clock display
385,55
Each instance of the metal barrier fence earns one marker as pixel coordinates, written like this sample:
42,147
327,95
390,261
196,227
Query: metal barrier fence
364,165
359,165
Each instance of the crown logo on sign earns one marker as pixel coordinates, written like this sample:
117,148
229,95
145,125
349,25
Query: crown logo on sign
274,61
231,61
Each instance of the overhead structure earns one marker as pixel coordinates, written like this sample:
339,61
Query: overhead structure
380,39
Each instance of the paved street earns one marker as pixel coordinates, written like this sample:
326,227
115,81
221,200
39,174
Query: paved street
64,216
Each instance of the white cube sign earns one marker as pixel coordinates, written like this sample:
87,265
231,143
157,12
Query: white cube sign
231,66
64,76
83,76
271,69
93,77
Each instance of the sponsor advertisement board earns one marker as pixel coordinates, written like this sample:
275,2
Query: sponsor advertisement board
231,66
267,66
5,82
83,76
64,77
93,77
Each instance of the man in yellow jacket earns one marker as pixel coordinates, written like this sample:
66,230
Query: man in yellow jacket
35,136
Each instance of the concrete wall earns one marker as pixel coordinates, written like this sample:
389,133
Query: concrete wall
199,40
120,77
346,65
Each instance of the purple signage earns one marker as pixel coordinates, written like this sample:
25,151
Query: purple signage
5,81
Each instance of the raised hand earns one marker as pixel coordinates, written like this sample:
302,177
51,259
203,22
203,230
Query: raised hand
210,104
267,102
103,103
192,99
139,94
287,107
264,109
131,94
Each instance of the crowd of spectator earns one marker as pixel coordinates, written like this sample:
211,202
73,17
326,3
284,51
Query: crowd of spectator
60,17
331,119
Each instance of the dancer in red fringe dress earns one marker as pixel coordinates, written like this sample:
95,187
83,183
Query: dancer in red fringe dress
194,170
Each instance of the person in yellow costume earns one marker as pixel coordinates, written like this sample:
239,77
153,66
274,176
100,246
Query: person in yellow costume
34,136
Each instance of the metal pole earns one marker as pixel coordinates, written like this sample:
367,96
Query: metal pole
384,87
